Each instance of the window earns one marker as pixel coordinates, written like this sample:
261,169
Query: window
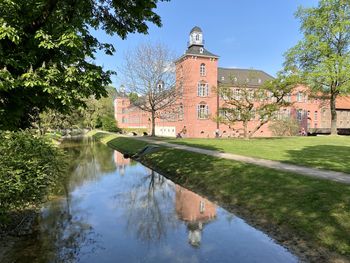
202,69
197,37
222,78
287,98
259,81
299,97
315,115
202,111
201,207
203,90
299,114
124,120
160,86
201,50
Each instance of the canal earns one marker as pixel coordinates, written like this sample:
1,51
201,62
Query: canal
112,209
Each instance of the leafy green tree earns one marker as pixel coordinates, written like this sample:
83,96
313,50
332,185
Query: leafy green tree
323,56
243,103
47,51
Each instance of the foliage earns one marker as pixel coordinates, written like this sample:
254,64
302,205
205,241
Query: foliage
29,167
47,52
109,124
323,56
284,127
96,114
149,73
243,103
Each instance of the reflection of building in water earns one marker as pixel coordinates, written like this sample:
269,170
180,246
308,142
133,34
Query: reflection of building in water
196,211
120,162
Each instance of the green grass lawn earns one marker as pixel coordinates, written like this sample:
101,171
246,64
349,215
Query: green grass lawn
315,210
326,152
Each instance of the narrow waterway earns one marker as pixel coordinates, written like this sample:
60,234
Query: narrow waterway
111,209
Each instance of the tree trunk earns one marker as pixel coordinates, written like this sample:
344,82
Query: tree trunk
245,127
333,115
153,134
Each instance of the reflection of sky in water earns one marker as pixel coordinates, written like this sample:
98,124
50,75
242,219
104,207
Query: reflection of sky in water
139,216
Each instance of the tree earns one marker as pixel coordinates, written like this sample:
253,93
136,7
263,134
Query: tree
244,104
96,114
47,51
149,72
323,56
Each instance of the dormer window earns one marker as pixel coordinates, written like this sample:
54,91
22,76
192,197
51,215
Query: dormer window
201,50
202,69
160,86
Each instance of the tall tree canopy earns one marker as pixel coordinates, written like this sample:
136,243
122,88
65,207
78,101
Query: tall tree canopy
149,73
47,52
323,55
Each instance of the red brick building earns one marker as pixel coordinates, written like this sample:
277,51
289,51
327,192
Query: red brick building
198,76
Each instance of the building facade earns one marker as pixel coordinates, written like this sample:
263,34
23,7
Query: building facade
198,77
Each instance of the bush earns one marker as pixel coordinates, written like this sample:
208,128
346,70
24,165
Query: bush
284,127
109,124
29,167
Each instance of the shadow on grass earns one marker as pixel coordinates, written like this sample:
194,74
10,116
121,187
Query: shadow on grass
330,157
315,210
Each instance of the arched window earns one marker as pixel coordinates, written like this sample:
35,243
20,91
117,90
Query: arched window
202,111
202,69
160,85
203,89
197,37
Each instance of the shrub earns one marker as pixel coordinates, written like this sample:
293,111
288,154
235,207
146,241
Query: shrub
109,124
284,127
29,167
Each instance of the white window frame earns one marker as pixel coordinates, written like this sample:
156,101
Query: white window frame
202,70
203,90
202,111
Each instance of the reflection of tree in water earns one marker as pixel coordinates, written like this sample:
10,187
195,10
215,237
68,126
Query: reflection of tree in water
62,235
88,161
149,208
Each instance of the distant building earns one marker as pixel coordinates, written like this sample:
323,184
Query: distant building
198,76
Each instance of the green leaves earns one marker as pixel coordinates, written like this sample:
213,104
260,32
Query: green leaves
47,52
29,167
8,32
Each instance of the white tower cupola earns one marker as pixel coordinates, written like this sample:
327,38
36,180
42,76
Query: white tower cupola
196,37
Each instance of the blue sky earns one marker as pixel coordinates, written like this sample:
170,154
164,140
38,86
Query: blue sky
244,33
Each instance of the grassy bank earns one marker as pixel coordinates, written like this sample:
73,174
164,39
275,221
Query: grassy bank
325,152
295,206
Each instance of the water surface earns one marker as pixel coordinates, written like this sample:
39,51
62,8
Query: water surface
111,209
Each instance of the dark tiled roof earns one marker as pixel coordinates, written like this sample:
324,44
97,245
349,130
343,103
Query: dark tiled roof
196,29
231,76
195,50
